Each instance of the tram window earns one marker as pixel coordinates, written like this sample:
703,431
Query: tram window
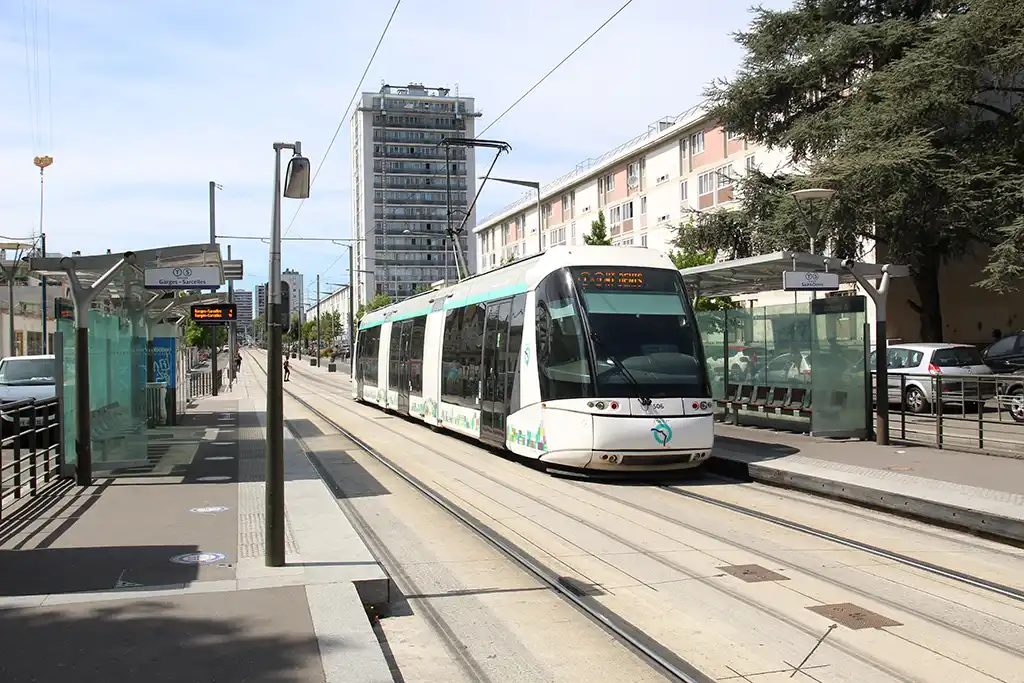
515,343
372,349
395,353
416,353
451,373
561,349
471,342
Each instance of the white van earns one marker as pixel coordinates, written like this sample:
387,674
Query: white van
24,377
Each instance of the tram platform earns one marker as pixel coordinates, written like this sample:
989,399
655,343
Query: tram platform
161,575
978,493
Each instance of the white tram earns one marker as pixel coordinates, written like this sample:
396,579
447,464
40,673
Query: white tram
583,357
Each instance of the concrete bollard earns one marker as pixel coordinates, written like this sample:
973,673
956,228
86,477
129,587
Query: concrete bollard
312,362
331,367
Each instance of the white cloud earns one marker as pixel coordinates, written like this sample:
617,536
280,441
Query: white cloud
153,100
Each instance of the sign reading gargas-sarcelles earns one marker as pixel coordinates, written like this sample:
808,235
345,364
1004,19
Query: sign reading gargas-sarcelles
188,277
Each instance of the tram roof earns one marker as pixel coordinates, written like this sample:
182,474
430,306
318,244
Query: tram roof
764,273
516,277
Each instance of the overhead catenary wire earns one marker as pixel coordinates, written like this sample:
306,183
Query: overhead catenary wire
341,123
556,67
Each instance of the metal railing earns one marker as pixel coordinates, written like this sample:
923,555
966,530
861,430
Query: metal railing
976,412
31,458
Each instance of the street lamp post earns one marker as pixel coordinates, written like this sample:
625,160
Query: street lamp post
540,220
42,163
213,330
296,187
803,199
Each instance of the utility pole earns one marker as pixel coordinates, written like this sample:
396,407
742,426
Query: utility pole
318,319
232,331
213,330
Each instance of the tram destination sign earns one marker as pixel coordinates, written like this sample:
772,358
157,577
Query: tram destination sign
613,279
214,314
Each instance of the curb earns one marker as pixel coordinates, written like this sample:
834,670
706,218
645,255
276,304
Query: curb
988,525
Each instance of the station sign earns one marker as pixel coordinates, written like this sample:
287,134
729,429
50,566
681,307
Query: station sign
185,277
214,314
809,281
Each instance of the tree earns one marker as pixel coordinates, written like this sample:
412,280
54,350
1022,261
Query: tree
380,300
259,326
598,232
202,335
683,259
903,107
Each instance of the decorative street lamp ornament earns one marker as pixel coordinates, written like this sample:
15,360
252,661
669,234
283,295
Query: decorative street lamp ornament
42,162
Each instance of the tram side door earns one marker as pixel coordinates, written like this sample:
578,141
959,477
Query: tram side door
404,371
494,403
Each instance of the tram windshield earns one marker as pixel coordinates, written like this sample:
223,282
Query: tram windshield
634,332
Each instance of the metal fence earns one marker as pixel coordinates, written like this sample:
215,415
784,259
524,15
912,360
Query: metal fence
976,412
31,458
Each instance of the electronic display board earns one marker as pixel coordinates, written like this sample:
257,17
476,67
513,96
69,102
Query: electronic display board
615,279
214,314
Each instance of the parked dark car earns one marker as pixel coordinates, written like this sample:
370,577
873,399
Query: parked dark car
1006,357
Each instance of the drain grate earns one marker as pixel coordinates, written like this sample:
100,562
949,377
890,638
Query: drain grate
753,573
851,616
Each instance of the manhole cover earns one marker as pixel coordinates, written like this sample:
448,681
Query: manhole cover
198,558
852,616
753,573
210,510
214,478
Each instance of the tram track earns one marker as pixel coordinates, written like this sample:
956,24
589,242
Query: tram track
854,544
927,613
655,654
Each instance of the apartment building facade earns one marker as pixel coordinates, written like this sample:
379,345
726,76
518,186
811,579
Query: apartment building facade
400,176
646,188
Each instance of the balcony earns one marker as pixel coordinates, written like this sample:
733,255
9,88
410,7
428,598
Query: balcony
429,153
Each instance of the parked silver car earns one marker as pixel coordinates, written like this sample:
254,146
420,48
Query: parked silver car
926,366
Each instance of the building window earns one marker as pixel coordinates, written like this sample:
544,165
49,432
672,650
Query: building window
615,214
643,205
643,240
609,183
565,204
697,143
684,194
724,174
706,183
627,211
750,164
730,135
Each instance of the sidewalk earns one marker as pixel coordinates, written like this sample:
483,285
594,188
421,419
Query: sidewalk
161,575
975,492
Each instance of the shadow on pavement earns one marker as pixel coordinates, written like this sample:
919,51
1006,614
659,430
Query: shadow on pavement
74,570
259,636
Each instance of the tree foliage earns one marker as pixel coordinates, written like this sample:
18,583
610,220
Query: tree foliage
202,335
598,234
910,108
380,300
692,259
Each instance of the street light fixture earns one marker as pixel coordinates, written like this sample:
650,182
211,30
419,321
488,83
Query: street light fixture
296,186
804,199
536,186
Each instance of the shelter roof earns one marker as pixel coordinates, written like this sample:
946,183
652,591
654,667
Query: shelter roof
764,273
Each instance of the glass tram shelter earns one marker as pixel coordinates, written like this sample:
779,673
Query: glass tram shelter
120,335
801,363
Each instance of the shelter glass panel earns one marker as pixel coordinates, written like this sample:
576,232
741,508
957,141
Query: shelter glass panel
839,387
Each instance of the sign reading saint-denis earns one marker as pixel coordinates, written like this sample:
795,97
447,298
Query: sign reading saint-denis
189,277
798,281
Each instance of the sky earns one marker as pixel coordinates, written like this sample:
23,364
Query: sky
142,104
